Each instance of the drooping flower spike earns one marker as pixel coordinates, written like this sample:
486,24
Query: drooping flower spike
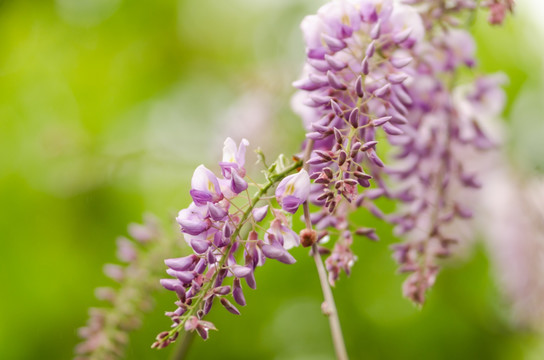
106,332
218,231
379,64
353,84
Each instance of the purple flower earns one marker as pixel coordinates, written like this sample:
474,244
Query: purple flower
205,186
237,183
438,127
126,251
241,271
183,263
216,212
341,258
281,234
279,253
498,10
234,157
106,333
293,191
380,66
192,220
212,227
342,69
259,213
233,169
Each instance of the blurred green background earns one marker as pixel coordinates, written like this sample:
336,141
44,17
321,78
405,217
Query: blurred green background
107,106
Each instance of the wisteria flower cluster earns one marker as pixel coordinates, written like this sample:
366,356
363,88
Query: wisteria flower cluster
213,227
385,65
515,240
352,87
105,335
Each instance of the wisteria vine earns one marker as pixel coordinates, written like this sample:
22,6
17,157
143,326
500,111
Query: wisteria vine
370,65
386,116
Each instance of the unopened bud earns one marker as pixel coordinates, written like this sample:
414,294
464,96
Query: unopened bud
308,237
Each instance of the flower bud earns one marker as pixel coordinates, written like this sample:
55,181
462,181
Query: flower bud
228,305
307,237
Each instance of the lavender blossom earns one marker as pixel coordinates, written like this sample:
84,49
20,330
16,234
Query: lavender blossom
341,258
429,172
353,84
498,10
513,225
105,334
213,227
293,191
363,61
205,186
